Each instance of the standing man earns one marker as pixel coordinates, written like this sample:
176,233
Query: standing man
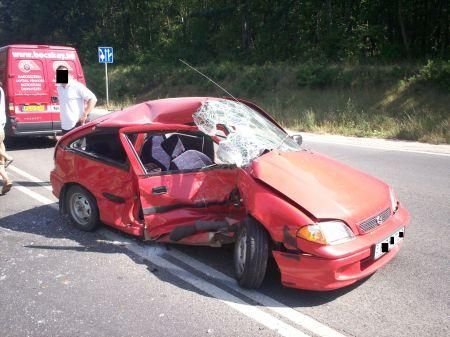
5,160
75,100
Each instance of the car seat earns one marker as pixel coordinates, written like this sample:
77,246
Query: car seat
160,151
173,146
200,143
152,152
190,160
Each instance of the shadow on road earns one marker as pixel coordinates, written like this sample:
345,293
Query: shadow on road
25,143
45,221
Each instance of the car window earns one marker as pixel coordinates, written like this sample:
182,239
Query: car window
101,145
176,151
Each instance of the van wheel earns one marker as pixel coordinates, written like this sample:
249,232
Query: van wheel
251,253
82,208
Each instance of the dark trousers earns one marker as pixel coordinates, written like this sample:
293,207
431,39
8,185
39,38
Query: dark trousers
65,131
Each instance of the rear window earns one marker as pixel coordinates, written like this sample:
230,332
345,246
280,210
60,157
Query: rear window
51,72
104,146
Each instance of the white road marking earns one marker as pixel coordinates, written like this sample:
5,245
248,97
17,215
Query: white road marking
34,195
251,311
29,177
270,303
155,254
386,147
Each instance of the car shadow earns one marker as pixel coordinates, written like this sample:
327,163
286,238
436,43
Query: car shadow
25,143
47,222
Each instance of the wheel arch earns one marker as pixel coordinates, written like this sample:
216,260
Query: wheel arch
255,218
63,192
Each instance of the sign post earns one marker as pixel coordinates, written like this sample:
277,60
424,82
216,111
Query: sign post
105,55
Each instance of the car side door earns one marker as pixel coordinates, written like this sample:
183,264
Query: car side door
174,198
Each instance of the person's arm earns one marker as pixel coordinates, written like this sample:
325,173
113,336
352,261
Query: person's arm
87,110
91,100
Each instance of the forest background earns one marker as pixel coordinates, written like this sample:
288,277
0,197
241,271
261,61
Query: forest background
377,68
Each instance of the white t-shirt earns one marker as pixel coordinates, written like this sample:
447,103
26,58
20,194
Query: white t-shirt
71,102
2,109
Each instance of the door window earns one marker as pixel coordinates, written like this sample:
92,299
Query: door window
172,152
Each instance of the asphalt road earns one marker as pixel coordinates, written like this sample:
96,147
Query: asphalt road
58,281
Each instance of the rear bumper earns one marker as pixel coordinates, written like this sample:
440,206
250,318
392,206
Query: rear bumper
27,129
306,271
56,183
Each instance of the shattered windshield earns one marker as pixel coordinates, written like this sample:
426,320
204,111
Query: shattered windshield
250,133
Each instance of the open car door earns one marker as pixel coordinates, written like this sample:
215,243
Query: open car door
183,205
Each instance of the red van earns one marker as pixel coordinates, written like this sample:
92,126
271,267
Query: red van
28,76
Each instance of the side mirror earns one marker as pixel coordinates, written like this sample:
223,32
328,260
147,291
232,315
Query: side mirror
297,138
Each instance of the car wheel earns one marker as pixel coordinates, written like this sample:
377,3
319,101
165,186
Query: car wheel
251,253
82,208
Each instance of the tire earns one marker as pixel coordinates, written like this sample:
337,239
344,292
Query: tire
82,208
251,252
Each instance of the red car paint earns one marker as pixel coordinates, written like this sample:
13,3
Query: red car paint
283,191
328,183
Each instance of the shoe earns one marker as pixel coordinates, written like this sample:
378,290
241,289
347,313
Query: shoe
8,162
6,187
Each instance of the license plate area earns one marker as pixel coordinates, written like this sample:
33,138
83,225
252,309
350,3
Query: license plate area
32,108
388,243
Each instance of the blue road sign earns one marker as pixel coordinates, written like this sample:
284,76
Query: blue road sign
105,55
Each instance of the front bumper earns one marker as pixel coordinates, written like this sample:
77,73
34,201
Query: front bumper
343,265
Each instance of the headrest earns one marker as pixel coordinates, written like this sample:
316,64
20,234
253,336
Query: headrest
173,146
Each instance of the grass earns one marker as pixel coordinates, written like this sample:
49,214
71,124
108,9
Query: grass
392,101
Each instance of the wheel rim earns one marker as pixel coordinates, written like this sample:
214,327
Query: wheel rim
80,208
241,252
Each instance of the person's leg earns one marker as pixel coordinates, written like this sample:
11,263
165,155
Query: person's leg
3,173
4,159
7,183
3,155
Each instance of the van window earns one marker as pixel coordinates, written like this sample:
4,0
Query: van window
29,77
53,64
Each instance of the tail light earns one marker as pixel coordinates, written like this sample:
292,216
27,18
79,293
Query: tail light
11,107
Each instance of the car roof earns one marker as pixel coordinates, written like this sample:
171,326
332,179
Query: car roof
177,110
165,111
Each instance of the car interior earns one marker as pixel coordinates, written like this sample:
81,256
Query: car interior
177,151
159,153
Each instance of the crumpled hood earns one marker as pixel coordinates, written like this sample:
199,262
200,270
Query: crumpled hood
324,187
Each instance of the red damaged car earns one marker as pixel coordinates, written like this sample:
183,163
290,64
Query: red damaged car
212,171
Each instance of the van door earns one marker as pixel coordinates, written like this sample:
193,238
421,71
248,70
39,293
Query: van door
29,94
53,106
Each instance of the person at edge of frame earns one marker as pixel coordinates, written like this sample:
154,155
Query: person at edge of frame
5,159
76,101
